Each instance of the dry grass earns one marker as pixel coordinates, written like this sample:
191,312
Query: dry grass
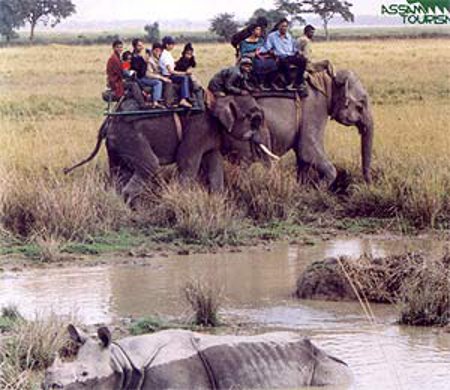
205,301
425,295
52,207
56,125
419,283
192,211
29,348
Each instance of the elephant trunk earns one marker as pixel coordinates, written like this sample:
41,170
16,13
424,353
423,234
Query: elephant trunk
366,129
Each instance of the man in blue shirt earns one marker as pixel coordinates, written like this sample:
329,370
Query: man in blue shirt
281,44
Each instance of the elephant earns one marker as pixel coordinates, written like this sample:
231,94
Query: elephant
297,125
137,147
181,359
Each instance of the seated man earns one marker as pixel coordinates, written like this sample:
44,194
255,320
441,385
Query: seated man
139,65
304,42
114,73
305,50
232,81
283,46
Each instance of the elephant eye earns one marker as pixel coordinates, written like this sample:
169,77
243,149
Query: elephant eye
84,373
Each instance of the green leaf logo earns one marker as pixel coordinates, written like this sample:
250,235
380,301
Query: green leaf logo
442,5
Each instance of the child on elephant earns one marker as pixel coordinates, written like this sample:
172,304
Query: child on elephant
186,63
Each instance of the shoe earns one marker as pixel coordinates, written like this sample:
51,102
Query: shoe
275,87
158,105
291,88
185,103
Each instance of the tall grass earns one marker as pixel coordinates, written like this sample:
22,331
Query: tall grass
425,295
205,301
192,211
51,206
30,347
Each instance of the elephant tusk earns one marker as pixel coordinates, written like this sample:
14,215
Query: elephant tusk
267,151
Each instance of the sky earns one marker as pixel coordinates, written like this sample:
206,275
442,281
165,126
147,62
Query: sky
104,10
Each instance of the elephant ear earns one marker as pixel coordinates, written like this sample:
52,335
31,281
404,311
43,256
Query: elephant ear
342,81
226,111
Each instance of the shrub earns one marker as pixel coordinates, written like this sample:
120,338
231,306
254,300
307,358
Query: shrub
30,346
49,206
425,295
195,213
205,301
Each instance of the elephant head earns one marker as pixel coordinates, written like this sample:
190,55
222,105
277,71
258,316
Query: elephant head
350,107
242,119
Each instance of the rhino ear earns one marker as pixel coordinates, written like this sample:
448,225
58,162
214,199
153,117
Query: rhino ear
104,335
76,335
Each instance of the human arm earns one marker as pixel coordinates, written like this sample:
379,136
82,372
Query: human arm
232,83
268,45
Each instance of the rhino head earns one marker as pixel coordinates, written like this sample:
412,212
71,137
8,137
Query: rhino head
99,364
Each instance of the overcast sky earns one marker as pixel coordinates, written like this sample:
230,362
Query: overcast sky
104,10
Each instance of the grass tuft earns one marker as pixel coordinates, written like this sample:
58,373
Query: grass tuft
205,301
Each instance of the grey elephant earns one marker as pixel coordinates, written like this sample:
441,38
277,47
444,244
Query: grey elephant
180,359
137,148
297,125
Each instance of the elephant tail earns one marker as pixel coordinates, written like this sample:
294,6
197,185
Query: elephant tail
101,136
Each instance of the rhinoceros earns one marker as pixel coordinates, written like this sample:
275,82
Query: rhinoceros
181,359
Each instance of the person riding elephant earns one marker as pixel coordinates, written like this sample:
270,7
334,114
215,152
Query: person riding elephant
232,81
300,125
138,147
115,79
281,44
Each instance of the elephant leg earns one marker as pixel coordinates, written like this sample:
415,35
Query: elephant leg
327,170
213,164
310,154
189,167
138,153
119,171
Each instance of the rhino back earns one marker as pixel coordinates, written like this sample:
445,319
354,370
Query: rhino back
170,360
272,360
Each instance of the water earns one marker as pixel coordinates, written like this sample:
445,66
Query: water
258,285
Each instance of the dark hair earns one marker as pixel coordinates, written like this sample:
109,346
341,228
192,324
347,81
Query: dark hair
157,45
308,28
187,47
135,41
116,43
168,40
262,22
279,23
126,55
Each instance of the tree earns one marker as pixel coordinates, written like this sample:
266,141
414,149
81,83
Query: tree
47,12
153,34
224,26
12,16
273,16
292,8
326,9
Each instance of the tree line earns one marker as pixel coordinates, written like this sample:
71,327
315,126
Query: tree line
15,14
226,26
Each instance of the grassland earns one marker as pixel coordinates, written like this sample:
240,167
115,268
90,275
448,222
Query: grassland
50,111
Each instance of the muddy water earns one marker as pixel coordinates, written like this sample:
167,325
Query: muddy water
258,286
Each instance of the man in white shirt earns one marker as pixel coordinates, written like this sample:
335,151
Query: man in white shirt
167,65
